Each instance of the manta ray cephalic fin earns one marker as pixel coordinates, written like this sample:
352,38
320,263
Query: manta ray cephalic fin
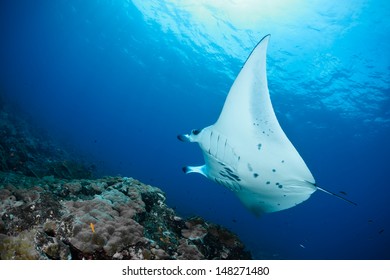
195,169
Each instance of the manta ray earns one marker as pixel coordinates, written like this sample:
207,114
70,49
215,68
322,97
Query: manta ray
247,151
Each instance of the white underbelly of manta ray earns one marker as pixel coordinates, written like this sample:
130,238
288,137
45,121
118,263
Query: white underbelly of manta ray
247,151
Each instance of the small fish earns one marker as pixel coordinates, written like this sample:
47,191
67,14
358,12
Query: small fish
343,192
302,246
381,231
92,227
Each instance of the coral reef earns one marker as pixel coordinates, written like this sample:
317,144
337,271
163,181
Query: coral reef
108,218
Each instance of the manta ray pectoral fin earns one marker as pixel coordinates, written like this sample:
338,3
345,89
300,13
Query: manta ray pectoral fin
195,169
336,195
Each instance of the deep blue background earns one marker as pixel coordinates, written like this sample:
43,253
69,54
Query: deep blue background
116,81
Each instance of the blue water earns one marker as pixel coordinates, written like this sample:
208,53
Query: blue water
116,81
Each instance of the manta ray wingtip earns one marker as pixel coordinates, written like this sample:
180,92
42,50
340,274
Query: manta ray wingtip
266,36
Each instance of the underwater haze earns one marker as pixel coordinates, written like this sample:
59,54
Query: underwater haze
117,81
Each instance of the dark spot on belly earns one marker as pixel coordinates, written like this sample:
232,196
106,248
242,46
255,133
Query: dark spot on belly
268,182
273,170
280,186
255,175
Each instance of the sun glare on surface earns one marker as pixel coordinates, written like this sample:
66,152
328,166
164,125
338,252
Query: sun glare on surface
241,14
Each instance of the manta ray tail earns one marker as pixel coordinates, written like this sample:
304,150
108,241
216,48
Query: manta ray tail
336,195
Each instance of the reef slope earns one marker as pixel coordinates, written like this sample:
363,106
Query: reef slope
52,208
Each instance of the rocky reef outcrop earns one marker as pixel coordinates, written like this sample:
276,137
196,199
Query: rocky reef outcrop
108,218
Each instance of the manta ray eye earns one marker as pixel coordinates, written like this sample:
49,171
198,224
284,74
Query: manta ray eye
196,131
